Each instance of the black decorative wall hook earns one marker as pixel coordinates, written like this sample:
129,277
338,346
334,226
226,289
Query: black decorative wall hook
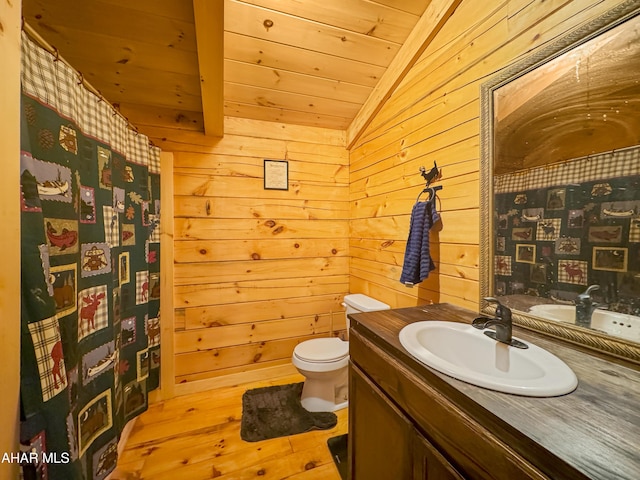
431,175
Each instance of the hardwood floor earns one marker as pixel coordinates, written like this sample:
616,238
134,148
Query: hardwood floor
198,437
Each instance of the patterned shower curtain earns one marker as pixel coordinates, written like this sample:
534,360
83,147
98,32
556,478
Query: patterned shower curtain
90,320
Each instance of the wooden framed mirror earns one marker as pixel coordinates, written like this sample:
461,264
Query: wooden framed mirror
560,185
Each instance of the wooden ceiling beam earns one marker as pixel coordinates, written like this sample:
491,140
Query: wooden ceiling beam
430,23
209,20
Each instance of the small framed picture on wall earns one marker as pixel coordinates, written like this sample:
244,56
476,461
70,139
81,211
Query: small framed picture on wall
276,175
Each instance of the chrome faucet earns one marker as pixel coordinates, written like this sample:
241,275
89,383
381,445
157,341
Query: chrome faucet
585,307
502,322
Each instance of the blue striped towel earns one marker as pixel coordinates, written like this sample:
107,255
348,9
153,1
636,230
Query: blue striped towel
417,258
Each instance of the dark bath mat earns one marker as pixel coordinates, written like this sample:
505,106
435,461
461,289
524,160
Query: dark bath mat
271,412
338,448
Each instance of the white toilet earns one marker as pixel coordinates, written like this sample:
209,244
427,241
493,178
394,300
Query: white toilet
324,362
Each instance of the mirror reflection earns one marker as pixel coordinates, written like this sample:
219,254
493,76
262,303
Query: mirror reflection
565,210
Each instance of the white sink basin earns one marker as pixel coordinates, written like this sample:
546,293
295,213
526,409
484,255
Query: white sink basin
612,323
465,353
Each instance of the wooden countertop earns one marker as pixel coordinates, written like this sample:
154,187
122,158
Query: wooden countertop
595,429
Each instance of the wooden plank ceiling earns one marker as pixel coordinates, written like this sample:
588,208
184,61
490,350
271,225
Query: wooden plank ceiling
311,62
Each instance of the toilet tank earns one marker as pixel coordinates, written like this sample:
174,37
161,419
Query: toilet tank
357,303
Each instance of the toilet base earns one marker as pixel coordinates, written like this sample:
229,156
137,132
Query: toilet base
325,391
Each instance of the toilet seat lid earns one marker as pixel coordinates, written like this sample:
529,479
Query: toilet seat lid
322,350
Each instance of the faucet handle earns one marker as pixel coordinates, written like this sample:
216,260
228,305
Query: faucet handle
502,311
586,295
492,300
590,289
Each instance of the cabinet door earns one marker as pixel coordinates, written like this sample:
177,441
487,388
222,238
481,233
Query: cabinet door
429,463
380,436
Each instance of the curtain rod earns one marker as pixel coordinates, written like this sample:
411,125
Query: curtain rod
34,35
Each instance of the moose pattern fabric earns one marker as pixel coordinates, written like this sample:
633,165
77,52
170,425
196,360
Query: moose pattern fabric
90,201
563,227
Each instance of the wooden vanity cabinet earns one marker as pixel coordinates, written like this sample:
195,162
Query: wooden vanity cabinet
409,421
384,442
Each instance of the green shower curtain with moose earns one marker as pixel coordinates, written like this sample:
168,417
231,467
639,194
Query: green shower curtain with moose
90,214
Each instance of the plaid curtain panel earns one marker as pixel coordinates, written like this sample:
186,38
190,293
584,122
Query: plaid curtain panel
618,163
90,201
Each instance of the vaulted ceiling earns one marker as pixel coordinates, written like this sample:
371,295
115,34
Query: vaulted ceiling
304,62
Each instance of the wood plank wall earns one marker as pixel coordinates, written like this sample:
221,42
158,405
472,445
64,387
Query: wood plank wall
256,271
10,293
434,116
